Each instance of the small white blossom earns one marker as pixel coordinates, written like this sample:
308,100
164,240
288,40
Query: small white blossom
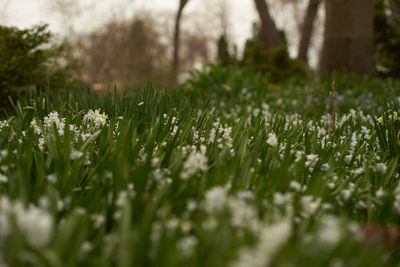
52,178
311,160
215,199
186,246
76,155
3,178
272,140
296,186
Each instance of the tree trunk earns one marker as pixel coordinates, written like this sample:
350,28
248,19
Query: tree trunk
348,37
175,63
307,29
269,33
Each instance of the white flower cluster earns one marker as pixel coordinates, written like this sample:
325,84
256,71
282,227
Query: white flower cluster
221,134
309,205
35,223
51,119
3,124
196,161
391,116
95,118
54,118
215,199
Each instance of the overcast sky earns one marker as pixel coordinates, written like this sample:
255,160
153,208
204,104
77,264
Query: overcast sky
24,13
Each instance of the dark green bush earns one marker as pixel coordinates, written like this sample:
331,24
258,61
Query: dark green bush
29,61
224,57
275,62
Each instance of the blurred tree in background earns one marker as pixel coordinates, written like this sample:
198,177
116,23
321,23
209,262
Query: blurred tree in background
123,53
224,57
29,61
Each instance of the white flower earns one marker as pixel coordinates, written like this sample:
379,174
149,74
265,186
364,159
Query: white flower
3,153
311,160
381,167
272,140
98,220
330,231
299,155
325,167
226,136
196,161
50,119
215,199
296,186
243,215
380,193
271,238
361,205
346,193
186,245
52,178
96,118
35,127
3,124
309,205
281,199
3,178
76,155
86,247
154,162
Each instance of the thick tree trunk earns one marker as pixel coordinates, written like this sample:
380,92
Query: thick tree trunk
175,63
269,33
348,37
307,29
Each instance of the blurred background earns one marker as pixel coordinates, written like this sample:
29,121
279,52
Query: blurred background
129,43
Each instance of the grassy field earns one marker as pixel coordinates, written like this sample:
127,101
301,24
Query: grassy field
229,170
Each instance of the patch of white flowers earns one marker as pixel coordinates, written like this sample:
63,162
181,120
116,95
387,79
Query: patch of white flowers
92,121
